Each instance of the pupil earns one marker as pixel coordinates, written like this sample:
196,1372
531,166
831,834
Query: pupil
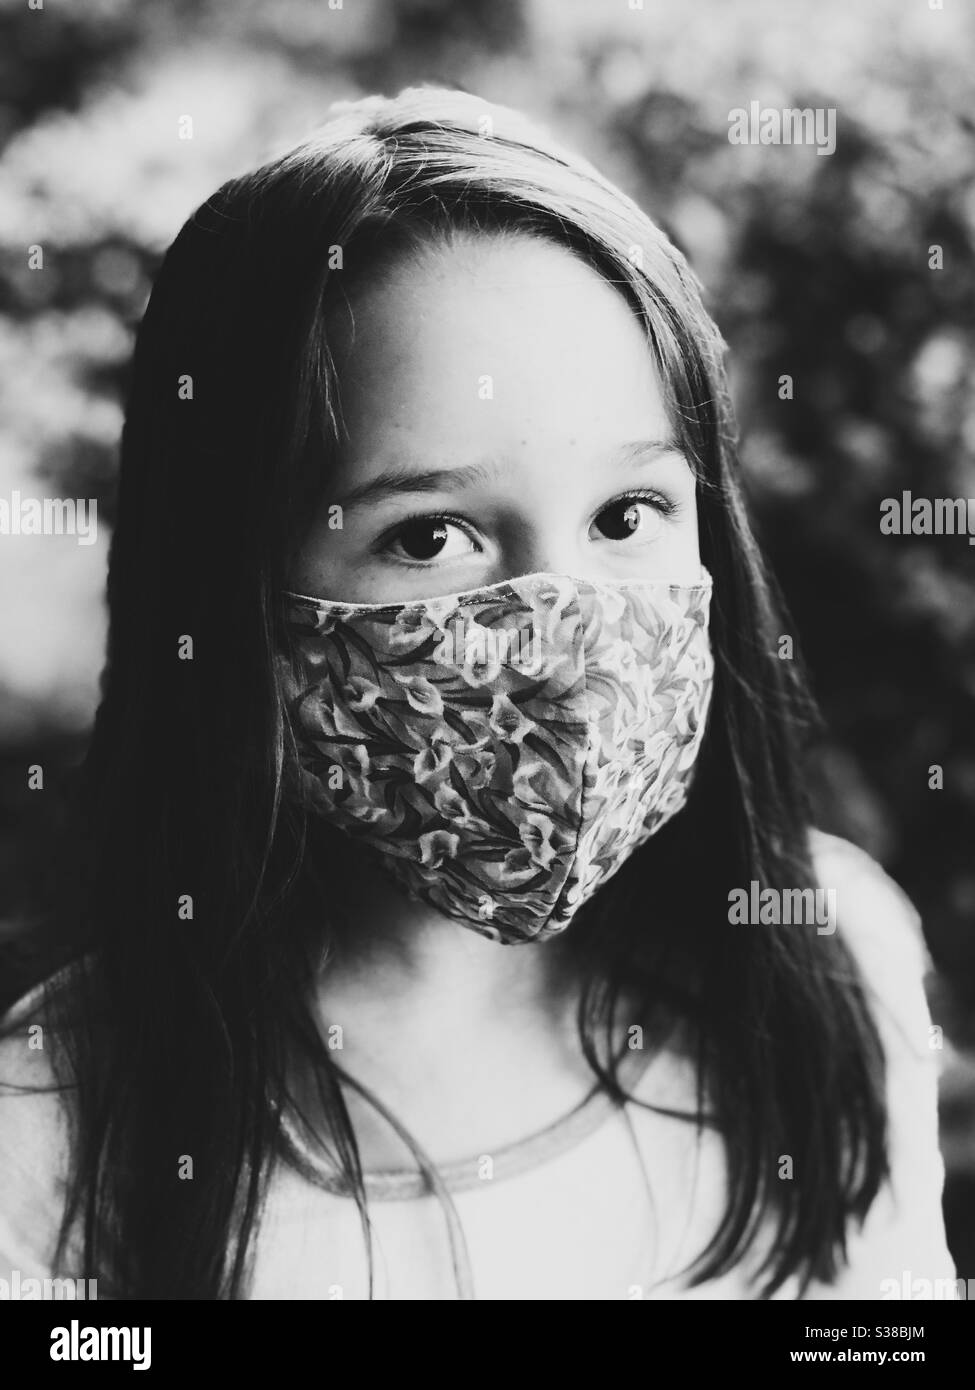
620,521
422,540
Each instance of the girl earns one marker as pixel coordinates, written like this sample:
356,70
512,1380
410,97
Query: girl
443,738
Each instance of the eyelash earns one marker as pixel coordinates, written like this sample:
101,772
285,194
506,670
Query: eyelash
385,541
664,505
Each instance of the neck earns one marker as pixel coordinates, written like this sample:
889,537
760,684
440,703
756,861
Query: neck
397,956
469,1042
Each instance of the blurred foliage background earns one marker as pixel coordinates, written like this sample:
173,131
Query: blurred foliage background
814,266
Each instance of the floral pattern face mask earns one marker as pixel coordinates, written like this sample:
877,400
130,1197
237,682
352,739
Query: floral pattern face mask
504,750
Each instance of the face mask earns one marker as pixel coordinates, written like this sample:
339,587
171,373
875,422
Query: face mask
504,750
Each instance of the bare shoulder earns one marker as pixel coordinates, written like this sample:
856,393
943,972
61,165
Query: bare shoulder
33,1141
904,1230
876,909
882,929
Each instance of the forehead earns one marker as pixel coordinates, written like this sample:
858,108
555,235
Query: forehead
495,340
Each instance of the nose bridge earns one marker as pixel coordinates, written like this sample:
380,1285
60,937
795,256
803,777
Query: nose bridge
541,536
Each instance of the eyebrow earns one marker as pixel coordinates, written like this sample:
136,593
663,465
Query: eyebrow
400,481
392,482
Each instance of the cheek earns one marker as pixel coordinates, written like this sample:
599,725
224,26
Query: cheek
686,537
678,553
326,551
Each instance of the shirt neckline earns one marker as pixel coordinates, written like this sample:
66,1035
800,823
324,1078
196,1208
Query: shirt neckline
466,1174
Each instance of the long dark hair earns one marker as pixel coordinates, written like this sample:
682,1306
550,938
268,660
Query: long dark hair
193,890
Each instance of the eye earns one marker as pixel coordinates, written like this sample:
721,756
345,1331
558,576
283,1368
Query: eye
430,538
632,516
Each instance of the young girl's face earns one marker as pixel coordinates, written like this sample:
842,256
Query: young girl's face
504,416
